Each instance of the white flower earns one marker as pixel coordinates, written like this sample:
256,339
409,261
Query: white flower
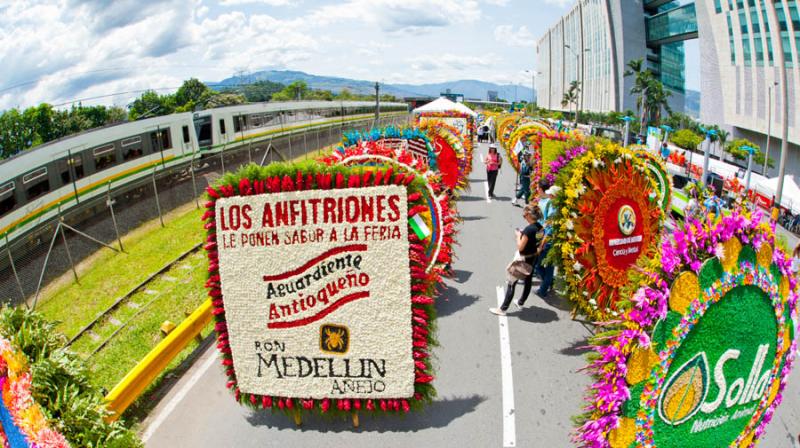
626,155
592,302
581,189
617,161
596,163
577,266
573,214
569,224
719,250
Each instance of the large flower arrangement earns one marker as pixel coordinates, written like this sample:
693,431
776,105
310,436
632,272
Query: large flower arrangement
657,170
532,134
593,254
506,126
439,215
453,158
726,275
561,162
471,128
22,422
285,177
391,137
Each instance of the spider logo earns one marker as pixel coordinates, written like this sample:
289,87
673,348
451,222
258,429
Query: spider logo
334,338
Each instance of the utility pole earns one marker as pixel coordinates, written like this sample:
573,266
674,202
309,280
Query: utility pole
377,102
750,150
780,63
769,126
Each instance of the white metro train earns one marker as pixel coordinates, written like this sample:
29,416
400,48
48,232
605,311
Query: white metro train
35,183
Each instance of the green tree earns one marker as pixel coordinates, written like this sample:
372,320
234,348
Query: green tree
686,138
735,149
151,104
190,94
260,90
571,96
224,99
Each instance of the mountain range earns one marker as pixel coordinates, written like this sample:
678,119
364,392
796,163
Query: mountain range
471,89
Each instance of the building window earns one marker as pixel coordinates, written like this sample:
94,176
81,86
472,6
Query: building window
717,6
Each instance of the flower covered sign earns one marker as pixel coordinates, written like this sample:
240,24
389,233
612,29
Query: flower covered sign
311,281
321,296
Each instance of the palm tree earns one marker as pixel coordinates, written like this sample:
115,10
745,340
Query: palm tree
641,84
571,96
657,99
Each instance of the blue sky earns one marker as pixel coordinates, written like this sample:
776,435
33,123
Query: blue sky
63,50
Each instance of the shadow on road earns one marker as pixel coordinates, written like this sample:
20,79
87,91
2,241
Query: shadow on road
557,301
452,301
537,315
472,218
471,198
476,179
439,414
576,348
461,276
502,198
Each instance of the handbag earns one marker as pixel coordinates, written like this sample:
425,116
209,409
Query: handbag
519,268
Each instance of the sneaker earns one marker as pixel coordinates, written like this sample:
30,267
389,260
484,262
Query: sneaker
497,311
518,304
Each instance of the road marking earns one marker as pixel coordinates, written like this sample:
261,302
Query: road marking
509,421
488,199
178,397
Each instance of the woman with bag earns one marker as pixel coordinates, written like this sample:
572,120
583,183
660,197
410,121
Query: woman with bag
521,268
493,162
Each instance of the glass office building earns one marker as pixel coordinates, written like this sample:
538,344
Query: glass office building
738,52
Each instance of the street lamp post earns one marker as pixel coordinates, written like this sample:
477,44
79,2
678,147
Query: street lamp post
750,150
780,64
709,133
578,66
769,126
627,119
533,83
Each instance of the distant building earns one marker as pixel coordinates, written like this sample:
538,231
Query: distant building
738,42
596,39
454,97
491,95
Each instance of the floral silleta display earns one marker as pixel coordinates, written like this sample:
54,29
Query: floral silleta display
22,422
657,170
454,159
701,352
309,265
606,221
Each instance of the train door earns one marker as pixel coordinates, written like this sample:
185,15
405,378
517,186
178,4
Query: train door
186,140
202,130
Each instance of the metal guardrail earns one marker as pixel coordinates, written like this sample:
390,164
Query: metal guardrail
140,377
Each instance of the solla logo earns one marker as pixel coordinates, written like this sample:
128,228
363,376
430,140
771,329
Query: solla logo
686,391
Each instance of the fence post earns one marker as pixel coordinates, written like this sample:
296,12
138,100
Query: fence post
222,158
66,245
249,153
110,204
319,148
158,204
14,269
194,181
44,266
305,143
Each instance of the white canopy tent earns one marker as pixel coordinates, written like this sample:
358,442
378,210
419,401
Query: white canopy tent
791,191
443,105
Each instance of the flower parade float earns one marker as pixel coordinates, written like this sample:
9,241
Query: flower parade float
607,221
434,225
505,127
309,265
657,170
700,353
22,421
412,140
454,161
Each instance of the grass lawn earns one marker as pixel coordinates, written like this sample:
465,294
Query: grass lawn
107,275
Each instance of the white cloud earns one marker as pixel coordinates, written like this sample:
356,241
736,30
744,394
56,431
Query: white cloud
400,15
496,2
265,2
449,61
518,38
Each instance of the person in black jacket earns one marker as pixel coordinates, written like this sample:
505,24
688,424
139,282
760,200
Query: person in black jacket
527,245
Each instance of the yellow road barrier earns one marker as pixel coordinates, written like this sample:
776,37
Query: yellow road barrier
141,376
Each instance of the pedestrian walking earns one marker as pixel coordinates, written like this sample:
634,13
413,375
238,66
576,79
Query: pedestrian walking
527,244
493,162
524,190
545,270
665,151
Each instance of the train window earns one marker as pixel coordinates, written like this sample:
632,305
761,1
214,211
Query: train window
186,138
221,125
160,140
66,173
131,141
103,150
35,175
237,124
7,200
36,183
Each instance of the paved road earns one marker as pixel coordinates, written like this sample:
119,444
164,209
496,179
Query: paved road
544,348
